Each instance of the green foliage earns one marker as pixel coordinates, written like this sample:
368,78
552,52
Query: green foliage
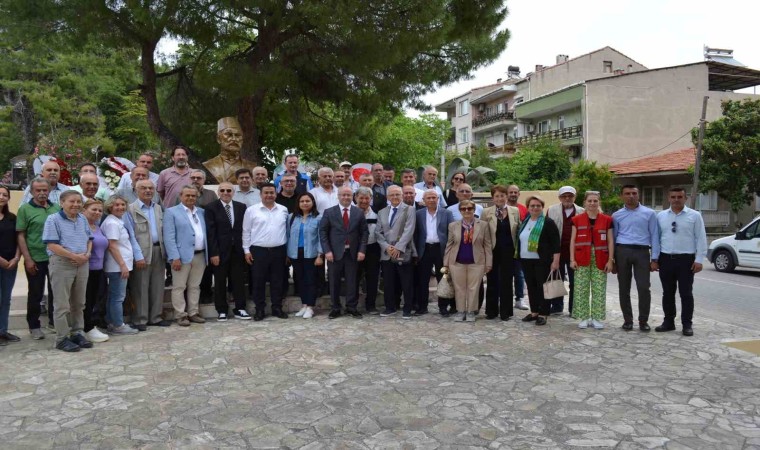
731,153
535,166
588,176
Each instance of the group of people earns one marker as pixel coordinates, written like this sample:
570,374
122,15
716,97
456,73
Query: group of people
90,247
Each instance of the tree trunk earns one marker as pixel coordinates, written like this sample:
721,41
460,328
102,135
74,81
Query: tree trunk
148,89
248,108
22,115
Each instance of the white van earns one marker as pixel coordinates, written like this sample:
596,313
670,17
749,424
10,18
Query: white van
741,249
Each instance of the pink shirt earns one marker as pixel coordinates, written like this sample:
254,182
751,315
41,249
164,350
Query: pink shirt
170,183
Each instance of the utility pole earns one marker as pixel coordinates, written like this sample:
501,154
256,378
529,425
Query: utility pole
695,185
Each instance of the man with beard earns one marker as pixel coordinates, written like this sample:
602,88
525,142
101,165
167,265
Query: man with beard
172,179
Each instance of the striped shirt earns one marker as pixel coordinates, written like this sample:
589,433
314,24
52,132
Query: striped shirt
73,235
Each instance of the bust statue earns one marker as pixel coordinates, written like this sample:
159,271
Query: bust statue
230,137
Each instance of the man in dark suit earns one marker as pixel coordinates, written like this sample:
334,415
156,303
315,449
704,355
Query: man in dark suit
430,245
378,201
224,228
395,233
343,235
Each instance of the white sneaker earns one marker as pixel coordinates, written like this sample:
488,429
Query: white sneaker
583,324
302,311
96,335
521,305
308,314
597,325
123,329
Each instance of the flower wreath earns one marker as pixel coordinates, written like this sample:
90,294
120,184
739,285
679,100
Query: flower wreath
112,170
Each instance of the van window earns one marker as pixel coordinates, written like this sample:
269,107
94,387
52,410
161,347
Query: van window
752,231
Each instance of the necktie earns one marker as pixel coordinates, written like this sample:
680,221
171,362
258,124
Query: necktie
345,218
500,213
229,213
393,216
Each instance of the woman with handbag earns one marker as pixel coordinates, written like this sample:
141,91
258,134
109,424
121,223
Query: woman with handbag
468,257
592,255
538,247
305,251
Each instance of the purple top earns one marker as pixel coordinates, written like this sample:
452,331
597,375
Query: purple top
465,255
99,246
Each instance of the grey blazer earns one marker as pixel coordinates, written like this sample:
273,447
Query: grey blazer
141,226
400,235
333,236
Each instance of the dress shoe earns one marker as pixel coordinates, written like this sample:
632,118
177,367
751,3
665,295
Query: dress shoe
80,340
161,323
195,318
67,345
10,337
529,318
628,326
445,314
280,314
354,314
665,327
140,327
504,319
643,326
421,313
258,317
540,320
688,332
490,316
334,314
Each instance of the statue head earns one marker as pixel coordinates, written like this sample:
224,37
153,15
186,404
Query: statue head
229,135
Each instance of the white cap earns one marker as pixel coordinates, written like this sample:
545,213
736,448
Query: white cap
345,163
566,190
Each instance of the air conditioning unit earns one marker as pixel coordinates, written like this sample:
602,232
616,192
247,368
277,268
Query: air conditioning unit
531,128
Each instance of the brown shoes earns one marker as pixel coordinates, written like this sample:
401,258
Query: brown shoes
183,322
197,319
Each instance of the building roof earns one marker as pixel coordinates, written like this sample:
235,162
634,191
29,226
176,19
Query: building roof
676,161
591,53
721,76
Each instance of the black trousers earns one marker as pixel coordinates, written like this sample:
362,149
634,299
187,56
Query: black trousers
499,289
270,262
95,300
304,278
431,258
675,273
37,284
397,275
633,263
557,304
344,268
369,270
536,272
231,271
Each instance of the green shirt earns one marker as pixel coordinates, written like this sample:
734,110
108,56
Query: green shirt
31,219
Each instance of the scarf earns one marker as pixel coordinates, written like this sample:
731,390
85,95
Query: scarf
468,231
535,233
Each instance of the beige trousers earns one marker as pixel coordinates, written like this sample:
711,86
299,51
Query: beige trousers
188,276
466,279
69,284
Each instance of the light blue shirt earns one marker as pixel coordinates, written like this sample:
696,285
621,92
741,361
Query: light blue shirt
148,210
441,200
637,226
458,215
689,236
53,195
73,235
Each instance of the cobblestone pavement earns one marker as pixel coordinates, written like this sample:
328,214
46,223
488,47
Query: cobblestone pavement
386,383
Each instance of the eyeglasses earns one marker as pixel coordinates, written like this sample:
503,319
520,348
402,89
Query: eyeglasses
225,190
457,179
467,208
464,192
288,181
535,206
196,178
674,227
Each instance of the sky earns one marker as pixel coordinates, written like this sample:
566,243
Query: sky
656,33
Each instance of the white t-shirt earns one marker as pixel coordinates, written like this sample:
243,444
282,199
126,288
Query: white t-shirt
113,229
524,235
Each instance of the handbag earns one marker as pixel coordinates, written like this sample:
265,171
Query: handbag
554,286
445,289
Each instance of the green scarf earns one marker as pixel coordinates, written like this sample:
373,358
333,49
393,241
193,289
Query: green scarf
535,233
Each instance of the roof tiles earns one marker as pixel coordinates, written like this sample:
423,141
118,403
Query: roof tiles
679,160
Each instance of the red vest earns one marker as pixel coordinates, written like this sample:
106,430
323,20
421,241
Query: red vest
585,236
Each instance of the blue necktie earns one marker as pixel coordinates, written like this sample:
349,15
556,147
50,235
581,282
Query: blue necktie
393,216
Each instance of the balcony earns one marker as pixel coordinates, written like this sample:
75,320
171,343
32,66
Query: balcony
565,134
491,118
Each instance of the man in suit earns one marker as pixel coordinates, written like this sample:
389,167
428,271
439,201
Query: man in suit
264,244
430,236
343,235
147,285
224,231
395,234
503,221
378,201
186,244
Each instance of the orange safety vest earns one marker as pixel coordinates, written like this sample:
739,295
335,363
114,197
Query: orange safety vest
585,236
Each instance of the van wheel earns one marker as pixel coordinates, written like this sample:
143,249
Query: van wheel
723,261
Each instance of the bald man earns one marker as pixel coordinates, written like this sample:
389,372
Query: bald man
51,171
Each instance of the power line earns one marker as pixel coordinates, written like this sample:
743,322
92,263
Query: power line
649,153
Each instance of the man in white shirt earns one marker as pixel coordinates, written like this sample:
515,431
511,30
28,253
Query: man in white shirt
264,238
464,192
145,160
325,194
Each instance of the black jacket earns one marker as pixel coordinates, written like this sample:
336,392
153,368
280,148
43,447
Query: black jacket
548,241
224,240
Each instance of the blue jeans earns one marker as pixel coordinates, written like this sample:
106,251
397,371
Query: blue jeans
519,281
117,291
7,279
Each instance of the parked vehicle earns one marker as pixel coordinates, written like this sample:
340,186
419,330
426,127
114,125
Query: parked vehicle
741,249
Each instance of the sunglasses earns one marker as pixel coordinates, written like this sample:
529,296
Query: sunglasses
457,179
225,190
467,208
674,227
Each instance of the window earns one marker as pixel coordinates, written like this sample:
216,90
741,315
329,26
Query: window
464,107
653,197
518,100
757,202
489,110
499,108
464,135
607,67
630,68
753,230
544,126
560,122
708,201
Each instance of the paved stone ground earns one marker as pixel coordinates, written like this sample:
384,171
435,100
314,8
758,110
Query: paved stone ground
385,383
